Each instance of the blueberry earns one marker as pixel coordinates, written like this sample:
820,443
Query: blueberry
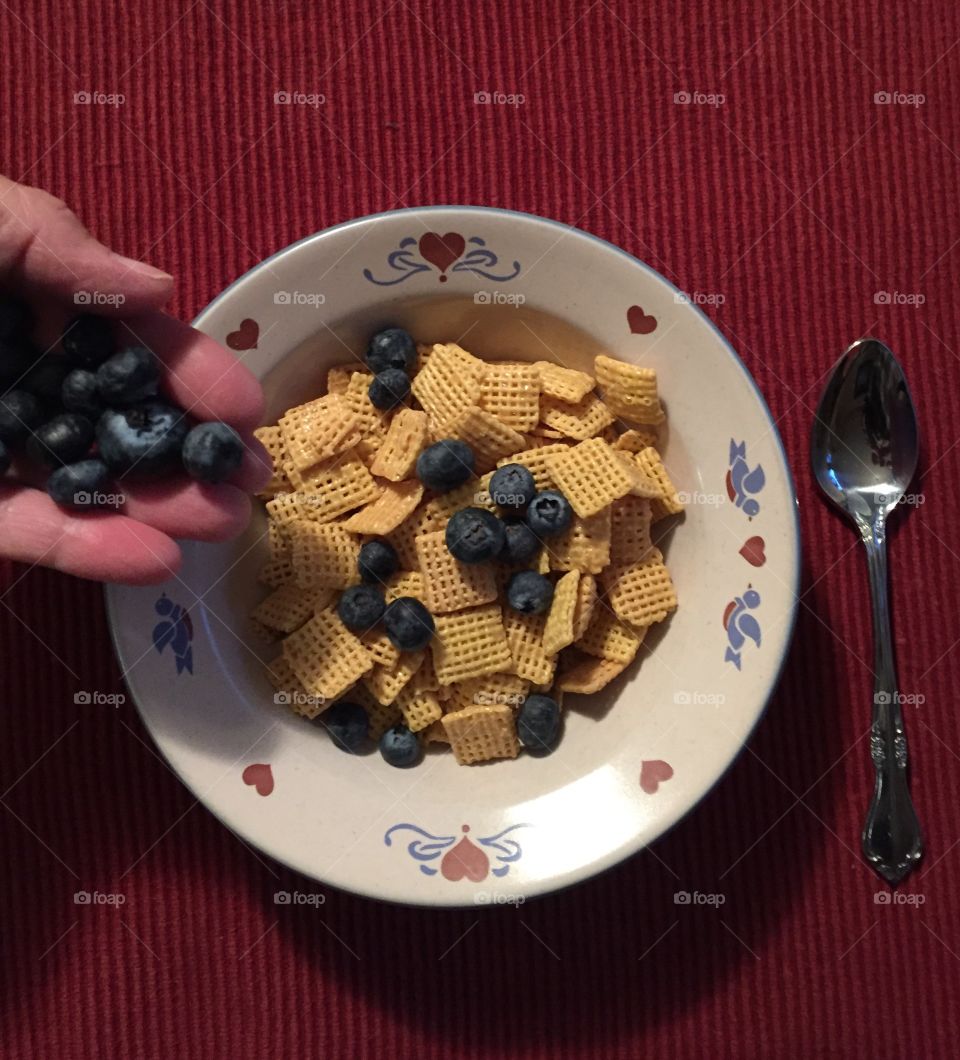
520,543
79,393
538,724
389,388
212,452
348,725
361,607
16,317
89,341
63,440
445,465
392,348
144,440
4,459
400,747
549,513
408,623
377,561
474,535
512,486
45,379
80,485
20,412
129,376
529,592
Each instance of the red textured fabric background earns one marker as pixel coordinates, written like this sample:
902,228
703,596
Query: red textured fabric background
797,198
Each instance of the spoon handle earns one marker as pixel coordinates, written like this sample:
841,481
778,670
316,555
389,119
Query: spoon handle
891,840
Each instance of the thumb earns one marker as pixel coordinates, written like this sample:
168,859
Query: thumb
44,247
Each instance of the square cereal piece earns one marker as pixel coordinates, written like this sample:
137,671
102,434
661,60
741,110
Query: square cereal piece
284,508
629,390
630,530
474,493
405,583
581,420
380,647
608,637
277,540
592,476
397,456
275,572
404,538
565,384
633,441
451,585
324,555
318,430
641,593
470,644
667,502
384,682
583,546
535,461
271,439
338,376
558,628
420,708
478,734
586,602
372,421
489,438
337,486
511,392
289,606
525,639
586,674
387,512
325,656
448,383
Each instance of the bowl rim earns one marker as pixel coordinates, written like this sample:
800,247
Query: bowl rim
546,888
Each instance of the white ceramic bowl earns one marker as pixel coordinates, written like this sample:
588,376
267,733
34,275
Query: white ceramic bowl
635,758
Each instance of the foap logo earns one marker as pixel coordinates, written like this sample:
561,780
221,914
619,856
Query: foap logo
299,99
707,500
898,898
700,99
499,699
299,898
899,99
687,698
96,499
498,298
98,898
500,99
99,699
92,98
699,298
95,298
902,699
907,500
913,298
698,898
294,698
498,898
313,298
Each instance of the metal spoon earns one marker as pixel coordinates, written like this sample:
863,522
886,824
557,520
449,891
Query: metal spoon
864,453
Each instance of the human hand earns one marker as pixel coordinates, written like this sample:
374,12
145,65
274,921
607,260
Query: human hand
47,257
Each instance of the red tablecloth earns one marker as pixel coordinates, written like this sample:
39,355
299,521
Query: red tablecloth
785,187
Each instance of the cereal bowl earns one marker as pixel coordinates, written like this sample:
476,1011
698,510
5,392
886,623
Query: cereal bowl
635,757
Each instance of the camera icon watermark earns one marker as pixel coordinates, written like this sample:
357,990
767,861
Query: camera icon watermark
715,899
299,99
899,99
93,98
98,898
499,699
699,99
913,298
898,898
500,99
498,898
295,698
499,298
907,500
299,898
699,497
695,698
95,698
311,298
96,499
96,298
699,298
902,699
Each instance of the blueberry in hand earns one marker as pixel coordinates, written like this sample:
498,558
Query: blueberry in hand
63,440
474,535
520,543
129,376
79,393
391,348
361,607
212,452
377,561
549,513
512,486
80,485
408,623
348,725
20,412
16,317
529,593
389,388
445,465
538,724
89,341
45,379
400,747
144,440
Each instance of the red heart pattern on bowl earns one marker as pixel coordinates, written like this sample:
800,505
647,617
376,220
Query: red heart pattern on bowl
259,776
640,323
245,337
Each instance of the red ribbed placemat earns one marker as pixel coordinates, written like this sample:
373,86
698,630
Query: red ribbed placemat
797,198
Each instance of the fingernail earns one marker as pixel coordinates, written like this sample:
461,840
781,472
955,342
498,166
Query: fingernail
143,269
